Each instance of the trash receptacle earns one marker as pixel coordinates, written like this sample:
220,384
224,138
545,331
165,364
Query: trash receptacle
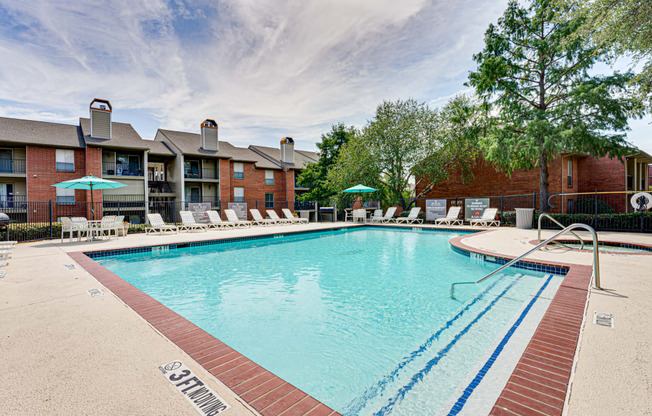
524,217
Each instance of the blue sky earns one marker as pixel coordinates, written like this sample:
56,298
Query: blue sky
262,69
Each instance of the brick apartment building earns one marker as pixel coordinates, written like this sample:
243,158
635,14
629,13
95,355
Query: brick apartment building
568,173
173,169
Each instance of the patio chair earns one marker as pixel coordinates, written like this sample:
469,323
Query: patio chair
80,224
488,218
67,227
188,222
107,224
360,215
157,225
120,225
273,215
258,218
214,220
451,218
389,216
295,220
412,217
233,219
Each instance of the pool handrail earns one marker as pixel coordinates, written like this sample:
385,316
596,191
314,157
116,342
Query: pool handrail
596,253
544,215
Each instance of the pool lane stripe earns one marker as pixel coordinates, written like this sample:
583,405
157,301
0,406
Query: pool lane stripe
359,403
461,401
430,364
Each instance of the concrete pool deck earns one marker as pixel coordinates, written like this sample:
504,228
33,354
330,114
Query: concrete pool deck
68,353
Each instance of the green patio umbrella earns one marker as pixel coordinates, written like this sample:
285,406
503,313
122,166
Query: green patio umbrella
91,183
359,188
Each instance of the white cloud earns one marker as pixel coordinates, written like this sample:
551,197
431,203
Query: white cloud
262,69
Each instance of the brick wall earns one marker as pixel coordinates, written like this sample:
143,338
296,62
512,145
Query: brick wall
489,182
41,174
603,174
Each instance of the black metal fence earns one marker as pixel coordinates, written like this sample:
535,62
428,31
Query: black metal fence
604,211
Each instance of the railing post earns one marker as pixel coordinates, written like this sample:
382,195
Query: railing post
118,207
534,201
595,212
502,217
50,211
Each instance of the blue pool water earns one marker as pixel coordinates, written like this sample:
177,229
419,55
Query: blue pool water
363,320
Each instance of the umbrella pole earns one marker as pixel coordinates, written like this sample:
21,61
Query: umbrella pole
92,208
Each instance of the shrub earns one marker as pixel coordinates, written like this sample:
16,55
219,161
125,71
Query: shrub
587,206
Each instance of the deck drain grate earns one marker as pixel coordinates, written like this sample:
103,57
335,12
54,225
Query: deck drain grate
70,266
603,319
95,293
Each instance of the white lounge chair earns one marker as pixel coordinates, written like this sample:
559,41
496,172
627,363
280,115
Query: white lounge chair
488,218
259,220
359,215
233,219
451,218
378,214
412,217
389,216
157,225
272,214
214,220
188,222
295,220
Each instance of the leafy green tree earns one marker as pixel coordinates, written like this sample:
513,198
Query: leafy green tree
408,144
315,174
534,71
624,27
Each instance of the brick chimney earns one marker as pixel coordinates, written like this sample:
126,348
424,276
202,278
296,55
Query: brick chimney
101,119
209,136
287,150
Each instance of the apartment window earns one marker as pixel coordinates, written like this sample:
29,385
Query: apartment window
269,200
65,196
191,168
238,170
569,173
269,177
238,194
193,194
65,160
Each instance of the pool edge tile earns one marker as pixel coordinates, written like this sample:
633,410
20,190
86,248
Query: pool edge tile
177,329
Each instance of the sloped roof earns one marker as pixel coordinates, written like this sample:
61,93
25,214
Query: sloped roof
301,157
190,145
123,136
13,130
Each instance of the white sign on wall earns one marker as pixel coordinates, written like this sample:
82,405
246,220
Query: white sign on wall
435,208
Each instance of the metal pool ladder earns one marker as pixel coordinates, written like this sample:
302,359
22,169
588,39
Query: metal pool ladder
544,215
570,228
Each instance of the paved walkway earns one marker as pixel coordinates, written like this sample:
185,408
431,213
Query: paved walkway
68,353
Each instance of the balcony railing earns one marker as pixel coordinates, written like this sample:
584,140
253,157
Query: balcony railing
121,169
12,165
205,173
18,201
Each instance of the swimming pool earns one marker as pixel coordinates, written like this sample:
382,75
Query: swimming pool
364,320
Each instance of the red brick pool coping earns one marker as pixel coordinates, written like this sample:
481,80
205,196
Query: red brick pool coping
267,393
538,384
541,379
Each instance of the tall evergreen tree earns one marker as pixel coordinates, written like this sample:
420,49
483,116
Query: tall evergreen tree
535,73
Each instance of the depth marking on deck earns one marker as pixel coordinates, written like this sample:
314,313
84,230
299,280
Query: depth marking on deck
205,401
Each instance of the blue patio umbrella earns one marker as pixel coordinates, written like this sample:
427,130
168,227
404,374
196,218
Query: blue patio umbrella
89,183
